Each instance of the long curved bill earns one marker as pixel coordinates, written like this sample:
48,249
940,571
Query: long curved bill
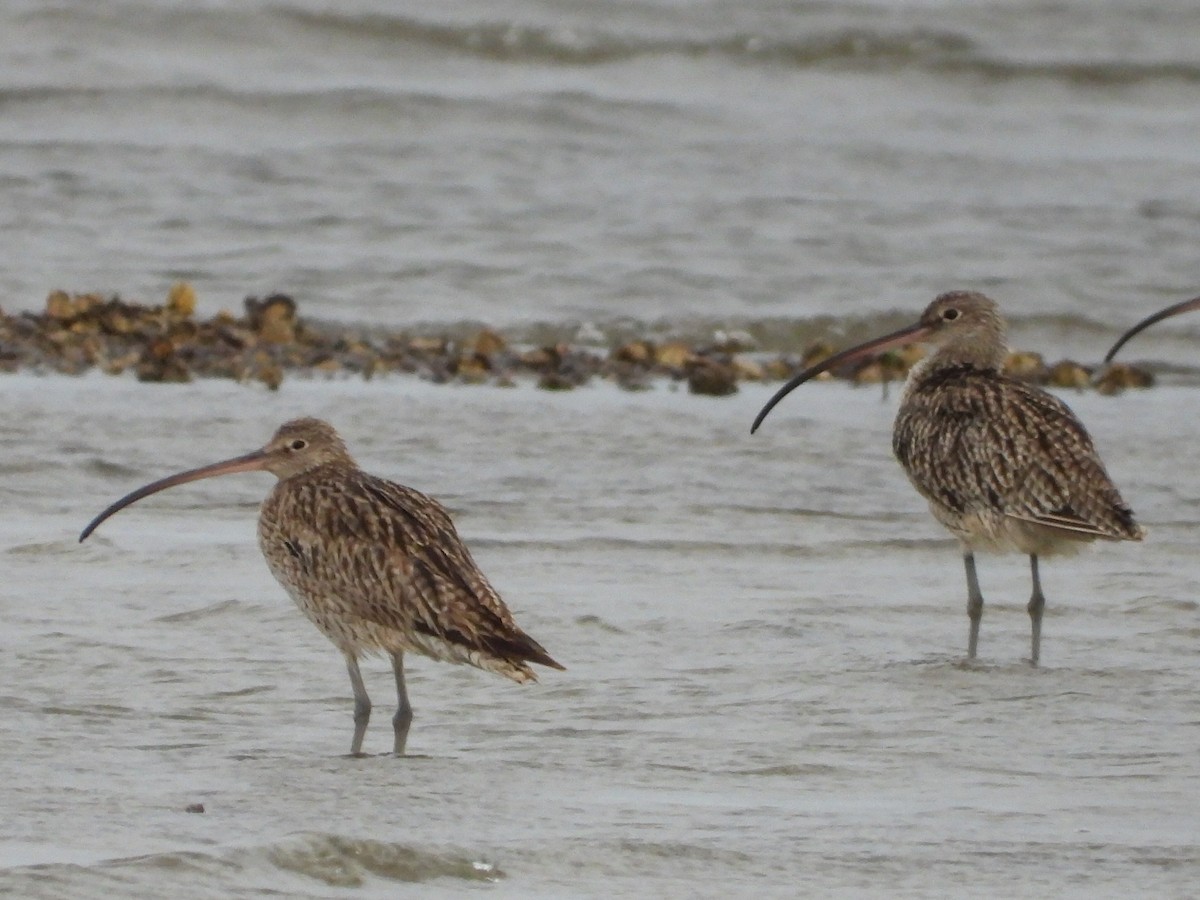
877,345
250,462
1176,309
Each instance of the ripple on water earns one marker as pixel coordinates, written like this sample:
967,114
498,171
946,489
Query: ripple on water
348,862
38,548
203,612
593,621
315,859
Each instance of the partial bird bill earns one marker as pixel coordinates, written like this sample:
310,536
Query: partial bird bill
249,462
875,346
1173,310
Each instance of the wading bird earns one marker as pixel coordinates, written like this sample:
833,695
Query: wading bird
376,566
1005,466
1172,310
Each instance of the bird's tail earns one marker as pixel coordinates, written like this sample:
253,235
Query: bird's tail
514,651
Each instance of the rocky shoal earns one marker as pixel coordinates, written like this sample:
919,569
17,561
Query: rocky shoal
77,333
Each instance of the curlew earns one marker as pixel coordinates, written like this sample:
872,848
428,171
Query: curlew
1172,310
378,567
1004,465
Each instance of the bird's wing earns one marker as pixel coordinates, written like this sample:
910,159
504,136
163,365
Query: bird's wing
395,555
1062,482
988,442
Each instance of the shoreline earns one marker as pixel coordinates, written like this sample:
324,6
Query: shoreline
79,333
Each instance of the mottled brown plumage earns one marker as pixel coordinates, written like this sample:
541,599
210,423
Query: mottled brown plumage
377,567
1005,466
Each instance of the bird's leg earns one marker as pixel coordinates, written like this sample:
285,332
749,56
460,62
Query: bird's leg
974,603
404,714
362,705
1036,604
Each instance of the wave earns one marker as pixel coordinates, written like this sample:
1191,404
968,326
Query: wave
577,110
305,862
925,50
819,37
583,46
348,862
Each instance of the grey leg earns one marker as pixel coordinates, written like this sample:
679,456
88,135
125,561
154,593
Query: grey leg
974,603
362,705
404,714
1036,604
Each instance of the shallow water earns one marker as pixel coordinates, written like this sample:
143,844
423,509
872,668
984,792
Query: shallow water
763,638
765,694
523,161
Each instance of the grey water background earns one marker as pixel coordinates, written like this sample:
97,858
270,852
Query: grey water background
763,636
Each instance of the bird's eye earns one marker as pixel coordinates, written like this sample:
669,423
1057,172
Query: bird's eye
950,315
298,444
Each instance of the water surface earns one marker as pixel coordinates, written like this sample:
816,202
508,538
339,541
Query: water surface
763,636
763,639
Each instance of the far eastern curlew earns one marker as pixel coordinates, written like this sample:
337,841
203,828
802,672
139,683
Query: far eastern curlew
1005,466
1172,310
377,567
